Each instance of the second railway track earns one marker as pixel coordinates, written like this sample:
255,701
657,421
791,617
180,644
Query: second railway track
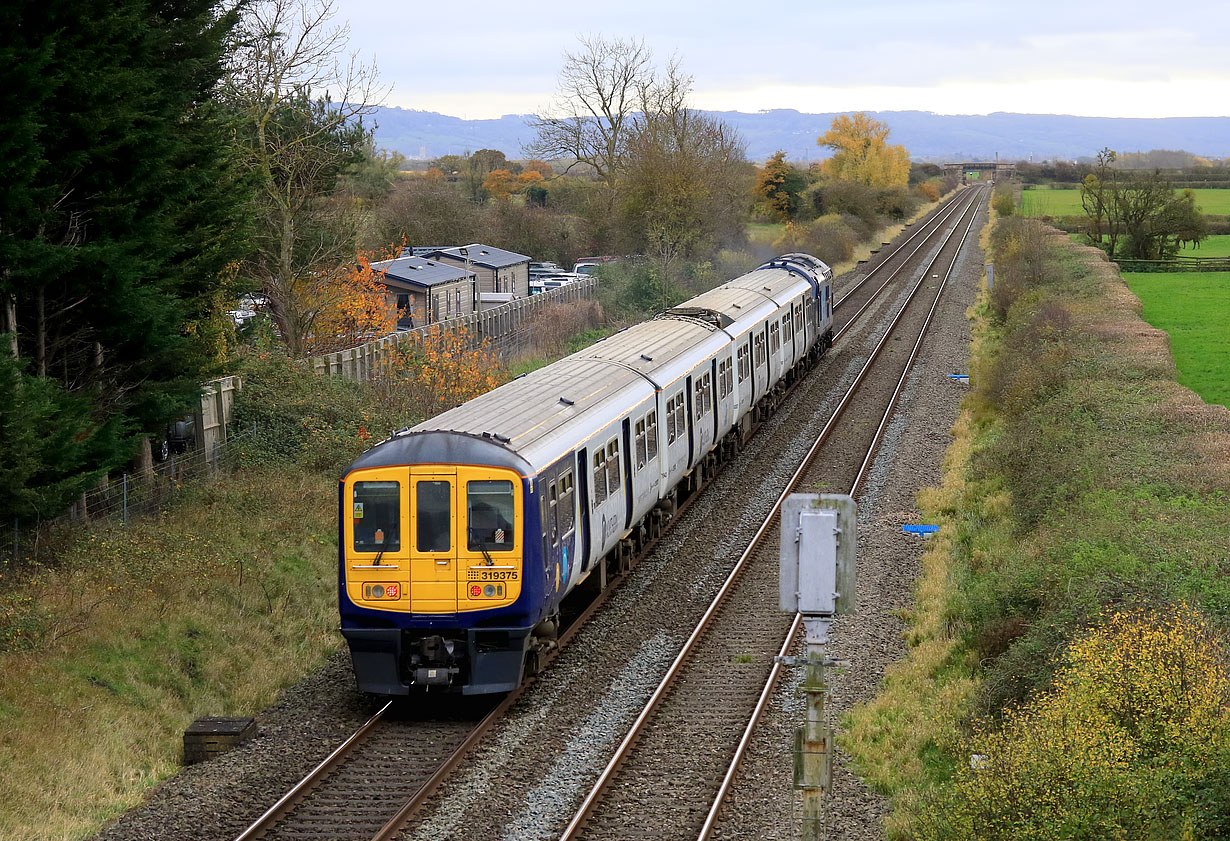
665,779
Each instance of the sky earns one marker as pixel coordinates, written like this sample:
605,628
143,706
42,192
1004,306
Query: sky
484,59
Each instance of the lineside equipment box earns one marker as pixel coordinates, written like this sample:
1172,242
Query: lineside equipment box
818,554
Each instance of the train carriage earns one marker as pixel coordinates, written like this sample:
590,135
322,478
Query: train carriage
459,537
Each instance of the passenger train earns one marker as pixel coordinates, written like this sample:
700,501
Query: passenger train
459,538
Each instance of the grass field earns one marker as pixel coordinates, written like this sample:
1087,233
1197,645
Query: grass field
1214,246
1068,202
764,233
1194,308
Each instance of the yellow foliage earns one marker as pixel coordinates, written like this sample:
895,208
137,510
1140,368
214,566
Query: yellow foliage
1130,742
438,370
861,153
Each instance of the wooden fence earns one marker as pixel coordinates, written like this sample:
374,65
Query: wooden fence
1176,264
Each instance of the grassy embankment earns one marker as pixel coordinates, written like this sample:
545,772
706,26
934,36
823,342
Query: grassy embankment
1044,202
1070,623
122,636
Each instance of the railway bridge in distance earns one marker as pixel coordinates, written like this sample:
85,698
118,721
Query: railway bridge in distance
979,169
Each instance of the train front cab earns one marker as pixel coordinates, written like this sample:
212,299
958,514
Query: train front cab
424,550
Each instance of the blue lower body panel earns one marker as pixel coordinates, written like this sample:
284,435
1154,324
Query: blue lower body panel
471,661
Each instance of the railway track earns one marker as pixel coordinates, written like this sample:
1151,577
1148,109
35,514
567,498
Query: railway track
379,778
670,774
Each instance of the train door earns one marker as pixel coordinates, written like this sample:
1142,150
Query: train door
566,522
629,482
433,548
687,392
584,526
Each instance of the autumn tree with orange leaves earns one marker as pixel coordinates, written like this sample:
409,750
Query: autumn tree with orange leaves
351,306
436,370
500,183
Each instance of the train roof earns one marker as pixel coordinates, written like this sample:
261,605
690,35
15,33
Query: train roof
525,423
779,284
737,308
662,349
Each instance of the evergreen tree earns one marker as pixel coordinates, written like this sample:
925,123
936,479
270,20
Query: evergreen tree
119,212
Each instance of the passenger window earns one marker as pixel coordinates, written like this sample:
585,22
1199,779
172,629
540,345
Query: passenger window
490,515
612,466
699,401
434,516
642,451
567,503
599,478
681,416
377,516
651,433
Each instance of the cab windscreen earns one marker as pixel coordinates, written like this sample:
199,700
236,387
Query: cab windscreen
377,516
490,514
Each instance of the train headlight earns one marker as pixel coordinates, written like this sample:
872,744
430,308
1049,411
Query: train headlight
489,590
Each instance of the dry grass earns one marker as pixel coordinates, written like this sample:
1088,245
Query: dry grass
208,610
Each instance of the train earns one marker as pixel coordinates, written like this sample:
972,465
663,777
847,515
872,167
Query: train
458,538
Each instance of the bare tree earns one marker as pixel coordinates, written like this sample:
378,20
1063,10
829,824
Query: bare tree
601,90
300,98
687,183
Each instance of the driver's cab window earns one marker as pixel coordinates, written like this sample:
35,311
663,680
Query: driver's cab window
377,516
490,515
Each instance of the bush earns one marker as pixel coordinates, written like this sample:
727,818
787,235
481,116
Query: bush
929,190
1132,741
299,417
830,238
895,203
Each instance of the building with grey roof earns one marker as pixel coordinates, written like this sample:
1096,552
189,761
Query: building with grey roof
497,271
427,290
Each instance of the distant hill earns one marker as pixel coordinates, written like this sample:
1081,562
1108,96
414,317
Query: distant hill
423,135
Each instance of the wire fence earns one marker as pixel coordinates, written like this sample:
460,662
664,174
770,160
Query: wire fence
125,498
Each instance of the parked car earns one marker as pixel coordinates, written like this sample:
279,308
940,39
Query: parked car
586,265
543,268
179,437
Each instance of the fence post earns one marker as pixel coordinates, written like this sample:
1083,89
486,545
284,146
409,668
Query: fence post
124,520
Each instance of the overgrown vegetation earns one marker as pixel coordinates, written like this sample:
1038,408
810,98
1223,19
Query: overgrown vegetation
1070,629
109,653
124,635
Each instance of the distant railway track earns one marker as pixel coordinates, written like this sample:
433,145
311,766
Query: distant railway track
378,779
672,770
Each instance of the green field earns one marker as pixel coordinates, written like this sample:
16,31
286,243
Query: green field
1214,246
1194,308
1068,202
